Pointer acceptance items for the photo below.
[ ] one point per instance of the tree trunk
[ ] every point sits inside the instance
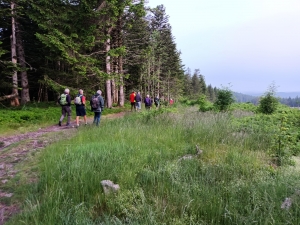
(114, 90)
(120, 63)
(14, 101)
(114, 65)
(21, 56)
(108, 81)
(46, 94)
(121, 88)
(168, 87)
(149, 77)
(158, 78)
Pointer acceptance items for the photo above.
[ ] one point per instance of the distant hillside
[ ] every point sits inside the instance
(239, 97)
(288, 98)
(278, 94)
(288, 94)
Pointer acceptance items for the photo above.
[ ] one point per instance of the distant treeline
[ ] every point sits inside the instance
(239, 97)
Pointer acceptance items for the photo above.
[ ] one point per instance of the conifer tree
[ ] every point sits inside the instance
(164, 64)
(210, 93)
(91, 44)
(196, 88)
(187, 83)
(203, 87)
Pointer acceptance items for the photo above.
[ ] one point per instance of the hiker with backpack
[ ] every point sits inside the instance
(148, 102)
(138, 102)
(65, 102)
(97, 106)
(156, 101)
(79, 102)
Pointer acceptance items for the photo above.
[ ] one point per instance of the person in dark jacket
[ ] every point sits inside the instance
(65, 102)
(156, 101)
(97, 105)
(148, 102)
(138, 101)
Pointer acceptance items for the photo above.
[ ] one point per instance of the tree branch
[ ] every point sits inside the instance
(8, 96)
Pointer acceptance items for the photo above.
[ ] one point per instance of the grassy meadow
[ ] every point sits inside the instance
(234, 181)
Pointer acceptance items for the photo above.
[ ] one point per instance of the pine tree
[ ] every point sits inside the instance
(165, 72)
(203, 87)
(210, 93)
(196, 88)
(187, 83)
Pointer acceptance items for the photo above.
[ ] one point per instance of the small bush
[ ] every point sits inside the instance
(204, 104)
(224, 99)
(268, 104)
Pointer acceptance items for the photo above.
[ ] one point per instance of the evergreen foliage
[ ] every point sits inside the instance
(65, 41)
(204, 104)
(268, 103)
(224, 99)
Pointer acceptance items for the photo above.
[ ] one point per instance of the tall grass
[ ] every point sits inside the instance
(231, 182)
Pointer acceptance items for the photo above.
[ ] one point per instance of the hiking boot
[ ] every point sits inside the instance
(59, 123)
(68, 125)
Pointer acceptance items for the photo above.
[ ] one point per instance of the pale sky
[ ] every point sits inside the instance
(243, 44)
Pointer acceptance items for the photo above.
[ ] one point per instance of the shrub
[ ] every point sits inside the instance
(268, 104)
(204, 104)
(224, 99)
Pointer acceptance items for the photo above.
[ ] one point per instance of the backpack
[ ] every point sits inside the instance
(77, 100)
(63, 99)
(95, 102)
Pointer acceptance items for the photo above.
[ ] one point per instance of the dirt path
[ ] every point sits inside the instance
(15, 148)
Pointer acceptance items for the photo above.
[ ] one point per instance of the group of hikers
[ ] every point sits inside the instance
(136, 101)
(97, 105)
(96, 102)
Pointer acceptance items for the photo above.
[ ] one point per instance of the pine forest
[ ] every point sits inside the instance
(116, 46)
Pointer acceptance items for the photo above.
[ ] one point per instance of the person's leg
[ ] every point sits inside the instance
(63, 114)
(77, 115)
(97, 118)
(84, 116)
(68, 109)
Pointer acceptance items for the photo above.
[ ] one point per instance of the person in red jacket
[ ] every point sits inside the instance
(132, 100)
